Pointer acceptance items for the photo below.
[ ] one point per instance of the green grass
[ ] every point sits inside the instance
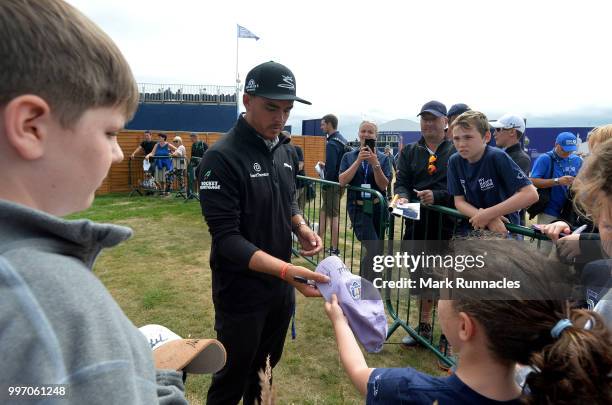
(162, 275)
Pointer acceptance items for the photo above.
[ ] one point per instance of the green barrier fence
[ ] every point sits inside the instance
(403, 308)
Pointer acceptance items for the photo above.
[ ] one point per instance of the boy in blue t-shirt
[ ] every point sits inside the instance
(487, 185)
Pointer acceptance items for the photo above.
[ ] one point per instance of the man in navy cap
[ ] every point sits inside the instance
(556, 169)
(421, 176)
(453, 112)
(247, 194)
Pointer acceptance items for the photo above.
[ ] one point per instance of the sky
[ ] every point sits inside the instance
(548, 61)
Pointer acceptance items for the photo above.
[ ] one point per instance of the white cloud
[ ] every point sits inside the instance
(379, 59)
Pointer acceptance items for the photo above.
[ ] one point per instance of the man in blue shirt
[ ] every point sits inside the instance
(488, 187)
(366, 168)
(565, 167)
(331, 195)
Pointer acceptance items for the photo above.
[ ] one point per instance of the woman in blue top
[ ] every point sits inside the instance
(528, 325)
(163, 162)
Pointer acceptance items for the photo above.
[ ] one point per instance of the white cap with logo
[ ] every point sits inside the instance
(508, 121)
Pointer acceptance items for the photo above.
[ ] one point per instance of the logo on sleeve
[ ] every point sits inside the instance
(206, 184)
(210, 185)
(287, 165)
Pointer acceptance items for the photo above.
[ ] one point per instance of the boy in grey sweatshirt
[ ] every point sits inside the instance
(66, 90)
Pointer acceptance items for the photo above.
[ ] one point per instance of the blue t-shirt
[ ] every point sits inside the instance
(365, 172)
(562, 167)
(161, 157)
(408, 386)
(491, 180)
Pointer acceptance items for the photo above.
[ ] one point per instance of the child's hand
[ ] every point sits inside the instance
(554, 229)
(481, 219)
(497, 225)
(333, 310)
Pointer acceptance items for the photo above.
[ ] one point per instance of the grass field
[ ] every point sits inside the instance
(162, 276)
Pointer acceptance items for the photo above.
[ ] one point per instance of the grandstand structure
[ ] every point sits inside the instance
(185, 93)
(185, 107)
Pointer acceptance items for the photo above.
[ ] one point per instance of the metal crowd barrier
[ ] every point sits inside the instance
(351, 249)
(400, 303)
(144, 182)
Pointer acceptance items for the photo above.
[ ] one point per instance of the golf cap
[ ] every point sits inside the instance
(433, 107)
(510, 121)
(457, 109)
(196, 356)
(272, 80)
(568, 141)
(360, 301)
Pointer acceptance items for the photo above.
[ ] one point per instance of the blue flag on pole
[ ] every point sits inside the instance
(244, 33)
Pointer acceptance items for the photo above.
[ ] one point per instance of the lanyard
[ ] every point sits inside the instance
(365, 166)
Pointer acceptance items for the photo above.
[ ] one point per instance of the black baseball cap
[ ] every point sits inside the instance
(272, 80)
(457, 109)
(433, 107)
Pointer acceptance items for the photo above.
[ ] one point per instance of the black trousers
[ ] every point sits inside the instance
(248, 339)
(428, 228)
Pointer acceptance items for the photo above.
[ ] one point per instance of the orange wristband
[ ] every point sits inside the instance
(283, 272)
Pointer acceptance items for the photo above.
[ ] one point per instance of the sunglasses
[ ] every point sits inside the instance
(431, 165)
(506, 129)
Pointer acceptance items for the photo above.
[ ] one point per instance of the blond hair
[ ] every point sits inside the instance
(50, 49)
(364, 122)
(599, 135)
(472, 119)
(593, 186)
(179, 139)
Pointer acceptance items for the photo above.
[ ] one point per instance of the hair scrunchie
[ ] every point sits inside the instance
(559, 327)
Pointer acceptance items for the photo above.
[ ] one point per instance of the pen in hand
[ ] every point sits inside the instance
(577, 231)
(303, 280)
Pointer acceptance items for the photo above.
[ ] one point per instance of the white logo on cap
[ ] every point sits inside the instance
(569, 142)
(355, 289)
(288, 83)
(251, 86)
(256, 167)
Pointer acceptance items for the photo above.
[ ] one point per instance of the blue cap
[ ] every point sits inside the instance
(434, 107)
(567, 141)
(457, 109)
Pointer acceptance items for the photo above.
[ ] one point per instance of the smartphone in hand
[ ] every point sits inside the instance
(371, 143)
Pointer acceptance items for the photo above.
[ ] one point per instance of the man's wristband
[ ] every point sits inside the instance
(296, 227)
(283, 272)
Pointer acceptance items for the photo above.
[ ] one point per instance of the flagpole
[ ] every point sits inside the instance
(237, 76)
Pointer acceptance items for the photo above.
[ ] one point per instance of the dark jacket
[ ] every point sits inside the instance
(520, 157)
(334, 150)
(247, 198)
(197, 151)
(412, 171)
